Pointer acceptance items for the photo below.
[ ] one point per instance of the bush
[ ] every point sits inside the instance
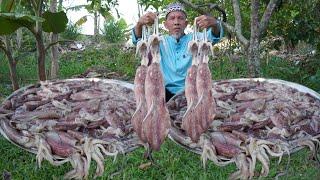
(72, 32)
(114, 31)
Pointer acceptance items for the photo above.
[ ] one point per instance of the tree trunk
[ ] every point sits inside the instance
(54, 49)
(254, 59)
(12, 64)
(139, 10)
(40, 45)
(253, 52)
(60, 5)
(96, 30)
(54, 57)
(41, 56)
(19, 38)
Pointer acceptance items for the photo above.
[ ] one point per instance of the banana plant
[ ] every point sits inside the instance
(103, 8)
(40, 21)
(97, 8)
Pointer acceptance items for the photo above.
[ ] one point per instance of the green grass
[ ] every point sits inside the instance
(173, 162)
(307, 74)
(112, 58)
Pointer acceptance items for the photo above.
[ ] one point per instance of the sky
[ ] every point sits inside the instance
(128, 9)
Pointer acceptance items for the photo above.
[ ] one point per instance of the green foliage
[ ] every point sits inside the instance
(54, 22)
(315, 80)
(157, 5)
(173, 162)
(10, 22)
(6, 5)
(294, 20)
(103, 7)
(297, 21)
(81, 21)
(71, 32)
(28, 41)
(112, 58)
(114, 31)
(305, 73)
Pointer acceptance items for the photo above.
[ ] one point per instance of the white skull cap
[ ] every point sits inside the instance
(175, 7)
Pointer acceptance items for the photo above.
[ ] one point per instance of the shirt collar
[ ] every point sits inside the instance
(181, 38)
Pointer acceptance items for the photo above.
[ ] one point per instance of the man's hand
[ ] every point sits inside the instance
(146, 19)
(205, 21)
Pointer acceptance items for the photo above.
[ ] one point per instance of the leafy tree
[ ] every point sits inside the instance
(114, 31)
(40, 21)
(101, 7)
(297, 21)
(97, 8)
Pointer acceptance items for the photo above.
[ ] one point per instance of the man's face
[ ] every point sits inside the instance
(176, 22)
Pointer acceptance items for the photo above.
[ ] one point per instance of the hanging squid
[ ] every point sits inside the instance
(206, 105)
(156, 124)
(139, 86)
(190, 121)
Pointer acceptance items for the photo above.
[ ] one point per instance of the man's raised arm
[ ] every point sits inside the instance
(146, 19)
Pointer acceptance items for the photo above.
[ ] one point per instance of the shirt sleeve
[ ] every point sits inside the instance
(213, 38)
(134, 38)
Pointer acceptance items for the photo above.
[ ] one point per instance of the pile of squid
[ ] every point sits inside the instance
(241, 122)
(151, 120)
(76, 121)
(255, 119)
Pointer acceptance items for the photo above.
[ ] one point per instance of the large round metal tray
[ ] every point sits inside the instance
(179, 137)
(107, 81)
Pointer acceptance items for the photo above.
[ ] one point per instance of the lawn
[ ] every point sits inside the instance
(173, 162)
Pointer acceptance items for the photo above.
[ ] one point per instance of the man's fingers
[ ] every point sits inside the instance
(151, 15)
(201, 17)
(202, 24)
(204, 21)
(201, 20)
(149, 21)
(149, 18)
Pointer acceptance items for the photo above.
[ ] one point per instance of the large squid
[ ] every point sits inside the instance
(206, 105)
(139, 86)
(156, 124)
(190, 121)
